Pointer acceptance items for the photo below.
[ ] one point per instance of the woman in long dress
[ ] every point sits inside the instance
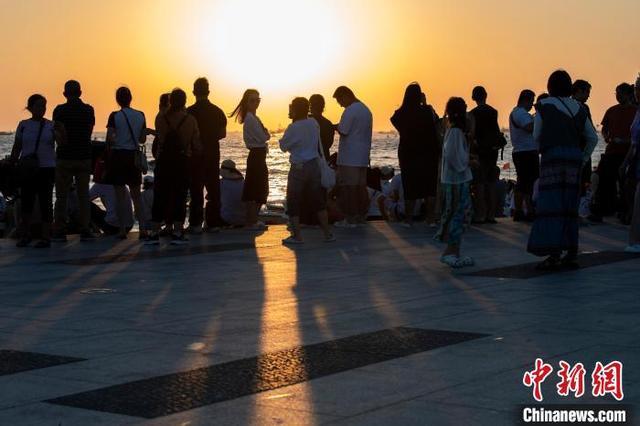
(559, 127)
(418, 150)
(255, 136)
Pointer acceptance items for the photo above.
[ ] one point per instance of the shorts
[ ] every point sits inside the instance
(121, 168)
(304, 183)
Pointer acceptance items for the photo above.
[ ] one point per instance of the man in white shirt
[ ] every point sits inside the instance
(525, 155)
(356, 132)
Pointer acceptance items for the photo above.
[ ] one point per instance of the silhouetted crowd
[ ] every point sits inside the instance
(449, 168)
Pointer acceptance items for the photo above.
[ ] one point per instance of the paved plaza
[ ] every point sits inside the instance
(236, 329)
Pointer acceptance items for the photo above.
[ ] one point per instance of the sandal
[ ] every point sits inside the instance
(292, 241)
(549, 264)
(467, 261)
(452, 260)
(330, 238)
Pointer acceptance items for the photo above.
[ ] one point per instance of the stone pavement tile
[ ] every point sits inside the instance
(139, 365)
(42, 414)
(22, 388)
(344, 394)
(114, 343)
(420, 413)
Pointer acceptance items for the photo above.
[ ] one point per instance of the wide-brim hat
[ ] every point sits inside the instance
(228, 170)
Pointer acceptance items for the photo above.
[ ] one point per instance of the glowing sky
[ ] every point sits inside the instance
(287, 48)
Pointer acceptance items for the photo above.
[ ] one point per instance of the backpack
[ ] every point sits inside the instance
(173, 146)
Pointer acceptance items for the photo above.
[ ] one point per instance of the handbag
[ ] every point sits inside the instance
(327, 174)
(140, 159)
(29, 164)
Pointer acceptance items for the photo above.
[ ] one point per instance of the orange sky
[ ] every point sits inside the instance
(287, 48)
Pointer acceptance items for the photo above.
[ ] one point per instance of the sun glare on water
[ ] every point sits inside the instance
(271, 44)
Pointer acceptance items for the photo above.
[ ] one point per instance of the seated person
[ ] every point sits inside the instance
(376, 190)
(107, 220)
(232, 209)
(394, 201)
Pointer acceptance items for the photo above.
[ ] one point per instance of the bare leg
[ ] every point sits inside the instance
(323, 218)
(295, 227)
(121, 208)
(452, 249)
(137, 208)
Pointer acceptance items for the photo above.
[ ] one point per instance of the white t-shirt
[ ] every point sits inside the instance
(107, 195)
(232, 209)
(301, 140)
(521, 139)
(253, 132)
(356, 132)
(118, 122)
(28, 130)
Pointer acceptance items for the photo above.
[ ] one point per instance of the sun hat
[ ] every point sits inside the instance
(228, 170)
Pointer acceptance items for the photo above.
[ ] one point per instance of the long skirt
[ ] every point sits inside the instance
(455, 209)
(256, 182)
(556, 226)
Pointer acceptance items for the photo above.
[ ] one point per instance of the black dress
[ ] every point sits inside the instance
(418, 151)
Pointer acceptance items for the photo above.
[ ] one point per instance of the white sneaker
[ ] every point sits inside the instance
(635, 248)
(345, 224)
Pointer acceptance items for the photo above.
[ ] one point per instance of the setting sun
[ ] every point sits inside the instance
(271, 44)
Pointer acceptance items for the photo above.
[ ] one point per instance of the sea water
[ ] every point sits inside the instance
(383, 152)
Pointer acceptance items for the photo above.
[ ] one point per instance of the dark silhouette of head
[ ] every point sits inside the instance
(37, 105)
(559, 84)
(479, 95)
(249, 103)
(201, 87)
(299, 109)
(164, 102)
(456, 111)
(581, 90)
(123, 97)
(72, 89)
(316, 104)
(541, 96)
(624, 93)
(526, 99)
(412, 97)
(344, 96)
(177, 100)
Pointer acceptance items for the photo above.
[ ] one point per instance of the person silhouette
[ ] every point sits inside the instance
(256, 137)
